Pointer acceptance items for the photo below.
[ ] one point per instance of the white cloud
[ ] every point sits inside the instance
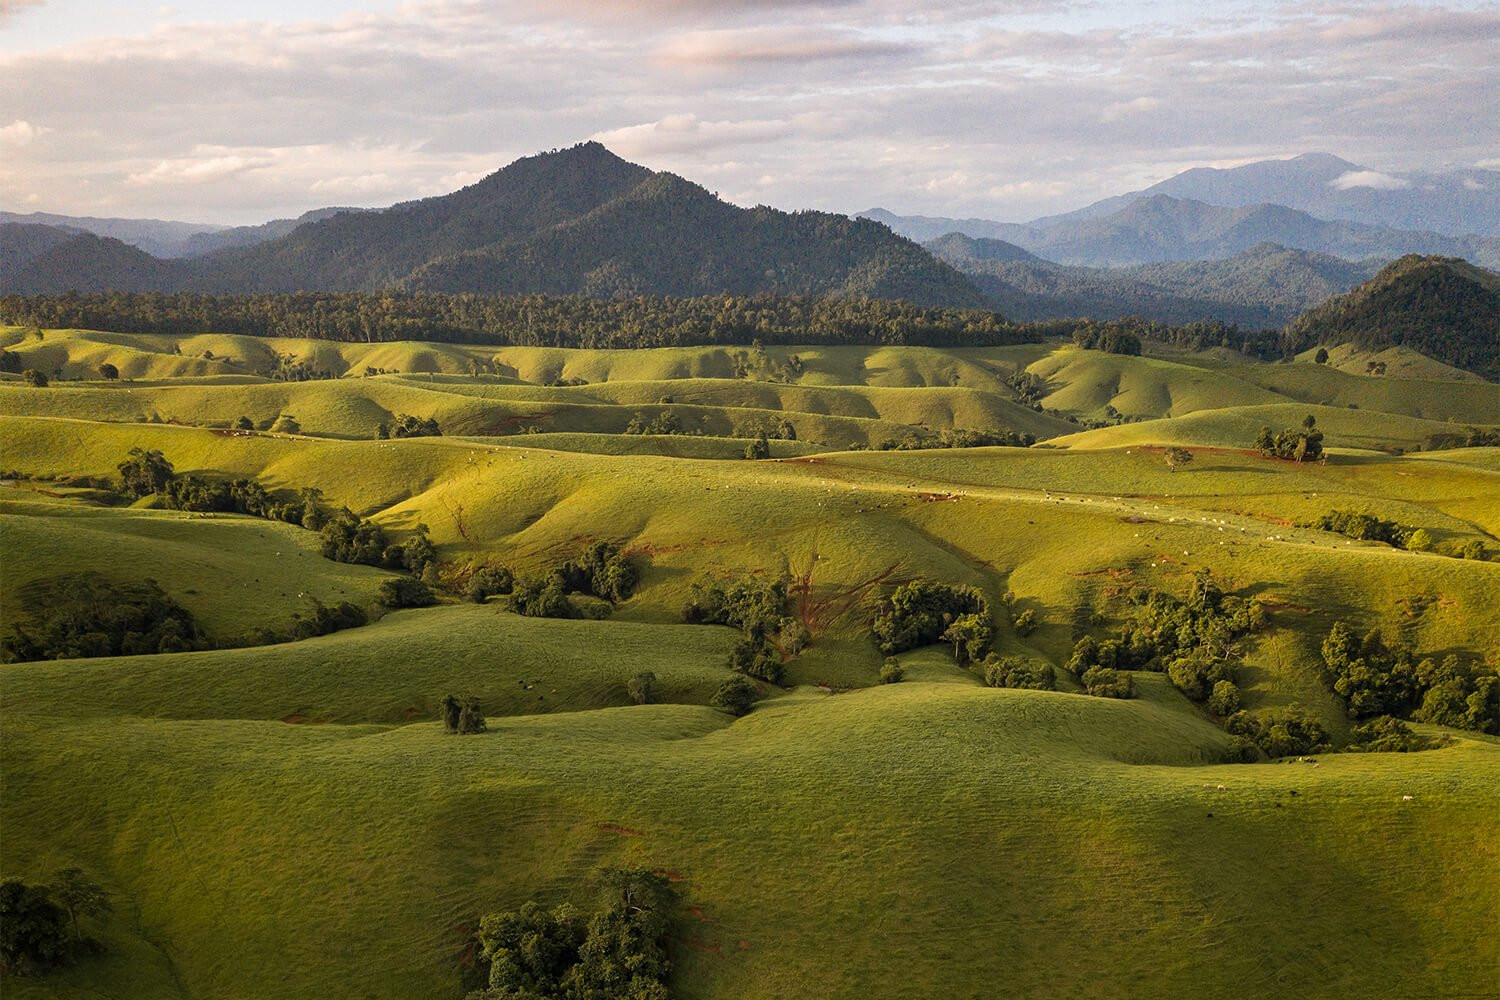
(196, 171)
(685, 133)
(1129, 109)
(20, 133)
(1369, 179)
(10, 8)
(1470, 184)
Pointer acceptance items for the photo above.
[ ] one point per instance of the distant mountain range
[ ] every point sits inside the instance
(1158, 228)
(1265, 286)
(575, 221)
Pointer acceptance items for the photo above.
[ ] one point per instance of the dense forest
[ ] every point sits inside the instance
(1445, 308)
(573, 321)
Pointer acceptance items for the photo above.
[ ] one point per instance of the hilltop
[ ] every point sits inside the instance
(574, 221)
(1445, 308)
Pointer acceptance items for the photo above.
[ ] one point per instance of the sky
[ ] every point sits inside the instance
(238, 113)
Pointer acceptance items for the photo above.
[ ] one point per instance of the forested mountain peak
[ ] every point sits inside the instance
(1443, 307)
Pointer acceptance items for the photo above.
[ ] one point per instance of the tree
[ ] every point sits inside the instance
(79, 895)
(1309, 422)
(736, 696)
(641, 686)
(244, 424)
(461, 714)
(286, 424)
(1026, 623)
(1177, 458)
(1225, 699)
(1019, 672)
(34, 378)
(108, 371)
(1321, 357)
(488, 581)
(758, 449)
(144, 473)
(971, 636)
(406, 592)
(32, 938)
(891, 671)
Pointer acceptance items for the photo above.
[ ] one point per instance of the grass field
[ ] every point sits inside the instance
(290, 820)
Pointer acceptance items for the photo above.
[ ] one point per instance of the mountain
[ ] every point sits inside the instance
(203, 243)
(924, 228)
(1162, 228)
(1454, 203)
(84, 262)
(155, 236)
(1265, 286)
(21, 243)
(668, 236)
(1445, 308)
(573, 221)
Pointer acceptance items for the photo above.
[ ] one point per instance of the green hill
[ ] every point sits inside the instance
(1443, 307)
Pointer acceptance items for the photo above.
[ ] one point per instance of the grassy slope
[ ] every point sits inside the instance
(931, 838)
(235, 574)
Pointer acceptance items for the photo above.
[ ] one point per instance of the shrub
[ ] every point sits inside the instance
(1290, 733)
(1225, 699)
(1419, 541)
(1106, 682)
(461, 715)
(489, 581)
(34, 378)
(1241, 750)
(108, 371)
(758, 449)
(737, 696)
(244, 424)
(641, 687)
(541, 597)
(891, 671)
(1386, 734)
(1019, 672)
(1026, 623)
(406, 592)
(286, 424)
(1177, 458)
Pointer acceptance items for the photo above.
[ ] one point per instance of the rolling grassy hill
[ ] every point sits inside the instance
(291, 821)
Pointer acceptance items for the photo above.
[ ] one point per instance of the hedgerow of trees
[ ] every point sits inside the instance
(88, 614)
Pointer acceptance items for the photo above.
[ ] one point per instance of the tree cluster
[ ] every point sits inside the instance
(461, 714)
(525, 320)
(1291, 732)
(1295, 444)
(618, 952)
(601, 570)
(1112, 338)
(34, 921)
(761, 611)
(88, 614)
(403, 425)
(957, 438)
(1374, 679)
(922, 612)
(1019, 672)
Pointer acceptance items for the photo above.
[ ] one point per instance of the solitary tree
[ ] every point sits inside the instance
(79, 895)
(108, 371)
(760, 448)
(1322, 356)
(1177, 458)
(641, 686)
(34, 378)
(736, 695)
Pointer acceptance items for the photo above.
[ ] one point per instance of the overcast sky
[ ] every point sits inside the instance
(241, 112)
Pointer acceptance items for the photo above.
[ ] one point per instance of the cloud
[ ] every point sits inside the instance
(20, 133)
(1129, 109)
(731, 48)
(684, 133)
(197, 171)
(1368, 179)
(1470, 184)
(10, 8)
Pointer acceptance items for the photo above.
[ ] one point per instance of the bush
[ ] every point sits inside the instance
(489, 581)
(737, 696)
(1224, 701)
(1290, 733)
(1026, 623)
(406, 592)
(891, 671)
(758, 449)
(461, 715)
(541, 597)
(1241, 750)
(286, 424)
(1019, 672)
(641, 687)
(108, 371)
(1386, 734)
(1106, 682)
(34, 378)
